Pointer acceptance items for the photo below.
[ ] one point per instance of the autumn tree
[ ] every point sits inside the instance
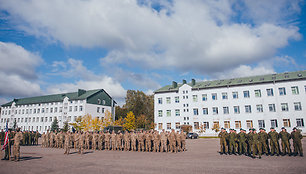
(77, 124)
(107, 121)
(129, 121)
(65, 127)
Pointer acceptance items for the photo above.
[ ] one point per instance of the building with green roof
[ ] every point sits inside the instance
(273, 100)
(37, 113)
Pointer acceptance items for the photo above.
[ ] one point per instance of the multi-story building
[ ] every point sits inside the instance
(38, 113)
(276, 100)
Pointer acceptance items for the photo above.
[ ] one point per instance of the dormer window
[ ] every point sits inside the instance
(99, 101)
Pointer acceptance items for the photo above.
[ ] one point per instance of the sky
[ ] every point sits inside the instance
(58, 46)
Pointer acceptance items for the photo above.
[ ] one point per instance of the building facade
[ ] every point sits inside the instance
(38, 113)
(276, 100)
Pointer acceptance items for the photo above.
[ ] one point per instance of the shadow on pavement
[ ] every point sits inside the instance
(26, 158)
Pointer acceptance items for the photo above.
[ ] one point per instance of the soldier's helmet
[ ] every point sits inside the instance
(272, 128)
(283, 128)
(294, 128)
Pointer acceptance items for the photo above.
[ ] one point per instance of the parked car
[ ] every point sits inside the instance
(192, 135)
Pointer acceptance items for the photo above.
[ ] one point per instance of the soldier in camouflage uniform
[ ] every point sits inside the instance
(163, 139)
(231, 141)
(256, 146)
(126, 140)
(140, 138)
(113, 140)
(273, 136)
(223, 144)
(119, 140)
(285, 137)
(149, 138)
(242, 142)
(100, 140)
(133, 140)
(16, 147)
(107, 141)
(156, 141)
(183, 139)
(249, 136)
(67, 142)
(172, 141)
(297, 143)
(263, 137)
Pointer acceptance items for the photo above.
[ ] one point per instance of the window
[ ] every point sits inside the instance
(98, 109)
(236, 110)
(177, 125)
(81, 109)
(204, 97)
(50, 119)
(257, 93)
(237, 124)
(261, 123)
(168, 100)
(51, 109)
(42, 119)
(30, 119)
(284, 106)
(160, 126)
(272, 107)
(246, 94)
(259, 108)
(270, 92)
(38, 111)
(216, 124)
(227, 124)
(160, 101)
(55, 109)
(196, 125)
(168, 125)
(282, 91)
(177, 112)
(206, 125)
(70, 108)
(177, 99)
(224, 96)
(99, 101)
(215, 110)
(274, 123)
(286, 123)
(168, 113)
(225, 110)
(195, 111)
(205, 111)
(43, 110)
(214, 96)
(235, 95)
(195, 98)
(46, 119)
(295, 90)
(37, 119)
(249, 124)
(160, 113)
(248, 109)
(299, 122)
(75, 108)
(103, 102)
(297, 106)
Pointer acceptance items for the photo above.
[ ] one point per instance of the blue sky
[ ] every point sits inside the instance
(59, 46)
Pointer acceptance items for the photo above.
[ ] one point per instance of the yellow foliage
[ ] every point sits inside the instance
(119, 122)
(130, 121)
(108, 120)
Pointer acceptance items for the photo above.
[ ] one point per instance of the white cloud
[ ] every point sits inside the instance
(112, 87)
(89, 80)
(17, 71)
(190, 35)
(243, 71)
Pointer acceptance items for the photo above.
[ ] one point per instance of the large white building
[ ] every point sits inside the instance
(38, 113)
(276, 100)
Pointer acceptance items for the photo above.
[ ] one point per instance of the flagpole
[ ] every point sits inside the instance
(9, 149)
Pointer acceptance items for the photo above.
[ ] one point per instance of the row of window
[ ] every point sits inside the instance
(235, 95)
(32, 128)
(236, 109)
(227, 125)
(43, 110)
(46, 104)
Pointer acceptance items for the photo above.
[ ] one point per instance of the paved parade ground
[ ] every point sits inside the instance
(201, 157)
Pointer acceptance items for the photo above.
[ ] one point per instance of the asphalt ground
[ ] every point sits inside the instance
(201, 157)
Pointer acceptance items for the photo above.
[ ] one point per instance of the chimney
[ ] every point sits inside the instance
(184, 82)
(174, 84)
(193, 82)
(81, 92)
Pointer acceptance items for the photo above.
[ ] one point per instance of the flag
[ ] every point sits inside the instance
(6, 139)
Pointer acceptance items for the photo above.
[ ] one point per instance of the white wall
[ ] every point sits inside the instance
(230, 102)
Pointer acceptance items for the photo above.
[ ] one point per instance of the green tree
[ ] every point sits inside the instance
(54, 125)
(120, 112)
(129, 121)
(66, 126)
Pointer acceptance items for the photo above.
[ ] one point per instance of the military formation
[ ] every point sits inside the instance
(141, 141)
(15, 139)
(255, 144)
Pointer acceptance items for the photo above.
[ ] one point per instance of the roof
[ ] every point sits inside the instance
(270, 78)
(80, 95)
